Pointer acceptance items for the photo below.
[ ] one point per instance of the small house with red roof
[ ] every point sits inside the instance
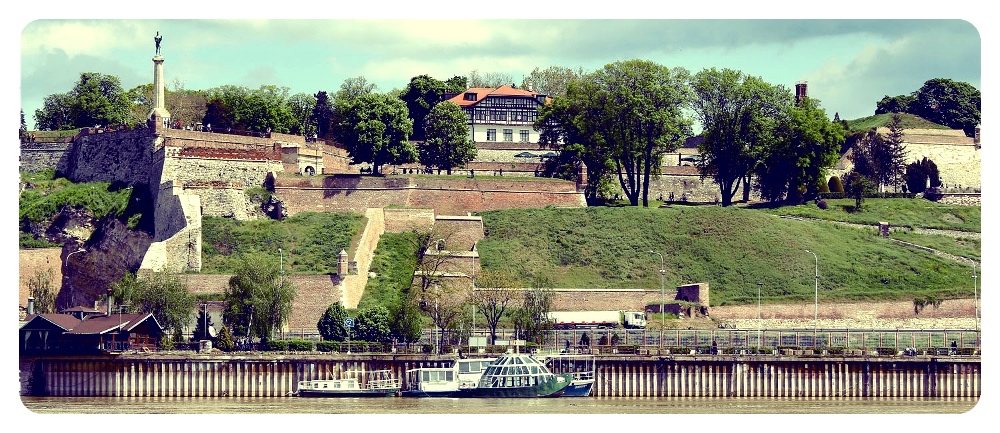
(95, 333)
(504, 114)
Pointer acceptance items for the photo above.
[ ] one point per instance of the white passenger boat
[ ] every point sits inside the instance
(519, 375)
(461, 376)
(377, 383)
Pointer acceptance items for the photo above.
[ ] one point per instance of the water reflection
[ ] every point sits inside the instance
(592, 405)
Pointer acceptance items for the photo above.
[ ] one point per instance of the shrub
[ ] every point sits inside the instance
(277, 345)
(834, 185)
(225, 340)
(300, 345)
(822, 204)
(328, 346)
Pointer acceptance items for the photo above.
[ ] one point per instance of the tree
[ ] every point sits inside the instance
(97, 99)
(373, 324)
(300, 107)
(447, 133)
(375, 129)
(40, 287)
(202, 323)
(162, 294)
(879, 159)
(954, 104)
(225, 340)
(406, 326)
(632, 111)
(186, 106)
(22, 131)
(488, 79)
(552, 81)
(896, 104)
(495, 292)
(444, 299)
(922, 174)
(857, 187)
(331, 324)
(322, 115)
(561, 125)
(804, 145)
(354, 88)
(421, 95)
(258, 298)
(531, 319)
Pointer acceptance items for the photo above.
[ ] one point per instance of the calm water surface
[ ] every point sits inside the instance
(589, 405)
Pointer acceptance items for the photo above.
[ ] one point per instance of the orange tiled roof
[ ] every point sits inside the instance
(483, 92)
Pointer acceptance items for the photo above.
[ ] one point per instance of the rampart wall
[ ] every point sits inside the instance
(447, 196)
(607, 299)
(36, 157)
(401, 220)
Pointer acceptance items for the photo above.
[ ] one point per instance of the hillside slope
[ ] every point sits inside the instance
(732, 249)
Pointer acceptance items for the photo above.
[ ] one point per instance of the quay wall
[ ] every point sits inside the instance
(211, 375)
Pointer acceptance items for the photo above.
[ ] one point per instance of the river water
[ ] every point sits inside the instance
(586, 405)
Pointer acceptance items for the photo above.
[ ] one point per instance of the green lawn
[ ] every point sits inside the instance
(897, 212)
(732, 249)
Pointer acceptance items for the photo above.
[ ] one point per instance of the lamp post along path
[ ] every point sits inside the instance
(663, 322)
(816, 309)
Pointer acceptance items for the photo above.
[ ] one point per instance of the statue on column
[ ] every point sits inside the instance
(157, 39)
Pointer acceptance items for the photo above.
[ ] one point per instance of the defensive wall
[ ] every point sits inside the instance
(447, 196)
(42, 261)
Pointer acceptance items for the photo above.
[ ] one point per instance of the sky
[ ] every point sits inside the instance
(849, 65)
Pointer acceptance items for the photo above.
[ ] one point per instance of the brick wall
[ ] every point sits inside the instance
(606, 299)
(36, 157)
(401, 220)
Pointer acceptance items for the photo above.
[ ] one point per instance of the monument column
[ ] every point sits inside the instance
(159, 117)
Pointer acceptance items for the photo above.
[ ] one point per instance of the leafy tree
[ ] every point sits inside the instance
(22, 132)
(443, 299)
(258, 299)
(495, 292)
(456, 84)
(202, 323)
(354, 88)
(879, 159)
(225, 340)
(561, 125)
(631, 112)
(141, 103)
(739, 115)
(186, 106)
(488, 79)
(406, 326)
(951, 103)
(921, 174)
(373, 324)
(55, 113)
(322, 115)
(531, 318)
(447, 142)
(552, 81)
(41, 288)
(162, 294)
(331, 324)
(421, 95)
(895, 104)
(857, 187)
(300, 107)
(805, 144)
(98, 99)
(375, 129)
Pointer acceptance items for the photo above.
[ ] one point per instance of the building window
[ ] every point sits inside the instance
(524, 135)
(508, 135)
(491, 134)
(470, 96)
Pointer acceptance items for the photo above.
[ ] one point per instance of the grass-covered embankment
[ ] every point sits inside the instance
(732, 249)
(310, 241)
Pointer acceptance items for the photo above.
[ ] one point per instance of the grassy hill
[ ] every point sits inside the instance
(732, 249)
(908, 121)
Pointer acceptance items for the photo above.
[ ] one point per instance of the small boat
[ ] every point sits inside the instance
(451, 381)
(517, 375)
(581, 366)
(377, 383)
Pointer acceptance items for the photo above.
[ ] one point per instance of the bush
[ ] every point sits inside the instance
(822, 204)
(328, 346)
(835, 185)
(277, 345)
(300, 345)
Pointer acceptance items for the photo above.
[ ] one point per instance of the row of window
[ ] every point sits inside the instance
(508, 135)
(503, 116)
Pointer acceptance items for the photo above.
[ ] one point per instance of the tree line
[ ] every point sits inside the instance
(617, 121)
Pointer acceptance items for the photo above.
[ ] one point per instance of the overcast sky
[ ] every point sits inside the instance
(848, 64)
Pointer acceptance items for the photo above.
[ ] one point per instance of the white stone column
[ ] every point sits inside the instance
(159, 113)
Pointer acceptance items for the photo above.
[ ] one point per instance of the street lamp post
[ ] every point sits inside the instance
(975, 295)
(759, 327)
(663, 323)
(816, 310)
